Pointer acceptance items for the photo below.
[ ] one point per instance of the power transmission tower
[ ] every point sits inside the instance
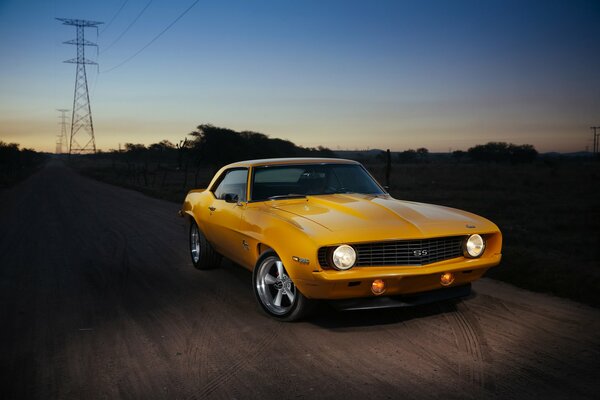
(596, 139)
(61, 140)
(58, 145)
(81, 120)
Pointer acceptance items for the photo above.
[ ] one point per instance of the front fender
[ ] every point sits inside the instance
(293, 243)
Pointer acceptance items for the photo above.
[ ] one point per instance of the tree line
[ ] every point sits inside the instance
(206, 148)
(215, 146)
(498, 152)
(209, 145)
(501, 152)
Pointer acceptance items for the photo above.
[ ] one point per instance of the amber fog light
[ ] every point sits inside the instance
(447, 278)
(378, 287)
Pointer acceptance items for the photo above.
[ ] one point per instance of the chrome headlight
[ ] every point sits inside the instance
(474, 246)
(343, 257)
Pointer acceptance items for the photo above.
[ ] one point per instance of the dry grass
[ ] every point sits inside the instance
(549, 213)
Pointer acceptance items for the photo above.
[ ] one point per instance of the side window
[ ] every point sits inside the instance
(233, 182)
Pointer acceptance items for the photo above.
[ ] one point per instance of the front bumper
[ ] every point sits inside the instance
(356, 283)
(432, 296)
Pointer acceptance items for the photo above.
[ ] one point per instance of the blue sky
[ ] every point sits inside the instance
(343, 74)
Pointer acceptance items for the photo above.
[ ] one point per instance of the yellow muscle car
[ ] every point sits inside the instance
(323, 229)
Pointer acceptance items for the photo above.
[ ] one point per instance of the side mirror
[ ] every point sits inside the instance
(230, 197)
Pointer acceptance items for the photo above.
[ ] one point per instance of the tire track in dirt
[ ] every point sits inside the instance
(224, 376)
(204, 343)
(411, 320)
(200, 340)
(530, 373)
(469, 340)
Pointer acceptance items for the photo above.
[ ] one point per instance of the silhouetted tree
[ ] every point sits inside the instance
(407, 156)
(135, 151)
(217, 146)
(525, 153)
(410, 155)
(492, 151)
(502, 152)
(459, 155)
(422, 154)
(9, 154)
(14, 163)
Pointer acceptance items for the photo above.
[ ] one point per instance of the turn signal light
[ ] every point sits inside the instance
(378, 287)
(447, 278)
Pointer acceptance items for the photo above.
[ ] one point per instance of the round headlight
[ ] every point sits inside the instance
(343, 257)
(474, 246)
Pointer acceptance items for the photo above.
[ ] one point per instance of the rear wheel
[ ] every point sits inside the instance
(203, 255)
(276, 292)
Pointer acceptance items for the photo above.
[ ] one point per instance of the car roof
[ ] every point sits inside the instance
(290, 161)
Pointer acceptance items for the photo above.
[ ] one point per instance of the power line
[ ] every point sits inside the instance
(129, 27)
(115, 16)
(154, 39)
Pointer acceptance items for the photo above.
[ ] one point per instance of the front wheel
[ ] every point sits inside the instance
(276, 292)
(203, 255)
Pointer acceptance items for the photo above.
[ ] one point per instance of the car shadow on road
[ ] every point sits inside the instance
(328, 317)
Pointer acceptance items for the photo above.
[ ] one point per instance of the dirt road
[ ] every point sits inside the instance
(99, 299)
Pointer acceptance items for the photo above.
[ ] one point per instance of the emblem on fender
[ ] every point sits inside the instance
(301, 260)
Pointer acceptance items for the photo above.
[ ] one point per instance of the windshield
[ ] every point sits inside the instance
(287, 181)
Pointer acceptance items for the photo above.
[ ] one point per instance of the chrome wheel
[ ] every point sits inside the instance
(274, 287)
(195, 243)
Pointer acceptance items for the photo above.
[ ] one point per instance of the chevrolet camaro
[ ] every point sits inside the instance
(314, 229)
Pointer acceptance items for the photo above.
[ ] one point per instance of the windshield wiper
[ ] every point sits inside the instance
(286, 196)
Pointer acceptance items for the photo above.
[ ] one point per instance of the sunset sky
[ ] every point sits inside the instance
(342, 74)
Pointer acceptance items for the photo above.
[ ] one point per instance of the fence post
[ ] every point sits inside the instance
(388, 167)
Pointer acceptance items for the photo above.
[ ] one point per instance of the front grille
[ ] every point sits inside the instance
(402, 252)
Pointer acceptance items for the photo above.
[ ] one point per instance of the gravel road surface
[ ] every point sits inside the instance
(98, 299)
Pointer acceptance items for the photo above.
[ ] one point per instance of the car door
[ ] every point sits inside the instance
(225, 213)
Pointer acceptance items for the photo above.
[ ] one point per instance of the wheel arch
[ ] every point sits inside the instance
(262, 248)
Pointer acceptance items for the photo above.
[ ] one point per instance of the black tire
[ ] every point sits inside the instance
(202, 253)
(274, 292)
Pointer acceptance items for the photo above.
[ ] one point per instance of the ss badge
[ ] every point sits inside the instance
(419, 253)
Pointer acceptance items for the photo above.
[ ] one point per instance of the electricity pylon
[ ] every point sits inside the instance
(61, 140)
(596, 139)
(58, 145)
(81, 120)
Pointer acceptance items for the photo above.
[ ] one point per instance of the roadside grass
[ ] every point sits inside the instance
(548, 212)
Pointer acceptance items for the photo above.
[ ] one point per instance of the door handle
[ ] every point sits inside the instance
(211, 208)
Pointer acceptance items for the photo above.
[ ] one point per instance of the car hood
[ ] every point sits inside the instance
(381, 217)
